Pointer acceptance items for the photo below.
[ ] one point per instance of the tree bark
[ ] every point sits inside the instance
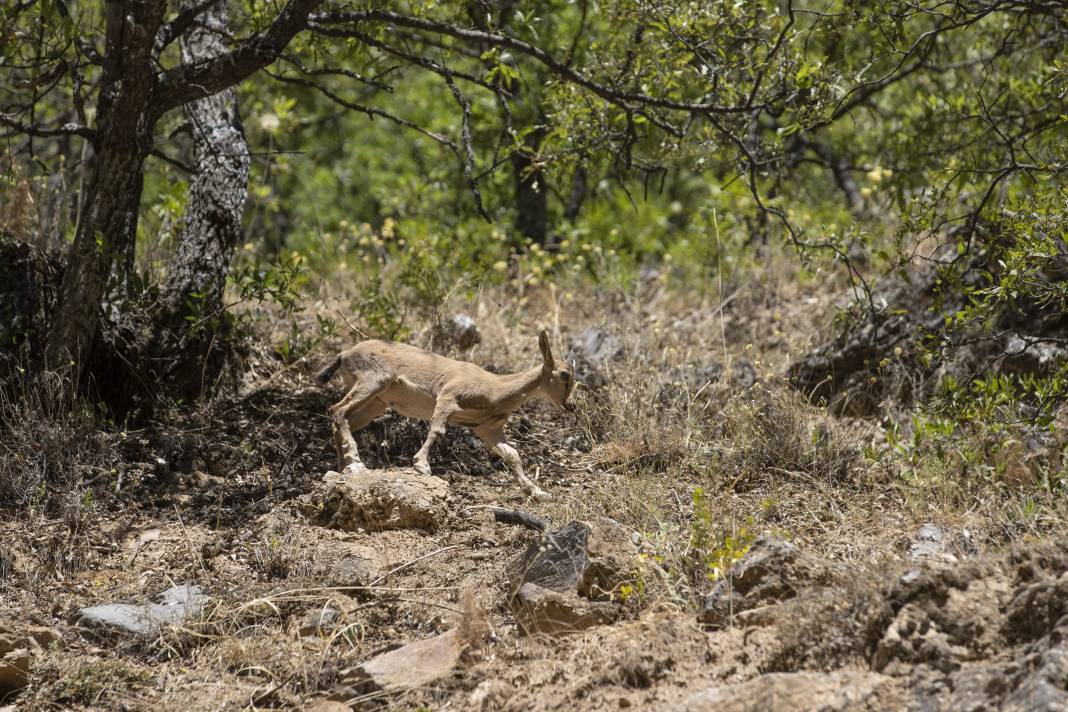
(577, 196)
(109, 218)
(531, 194)
(217, 194)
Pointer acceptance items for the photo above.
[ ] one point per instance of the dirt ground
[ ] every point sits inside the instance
(212, 496)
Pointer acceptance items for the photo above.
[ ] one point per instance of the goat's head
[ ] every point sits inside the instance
(556, 382)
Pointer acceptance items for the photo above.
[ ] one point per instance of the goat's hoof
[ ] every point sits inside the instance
(422, 468)
(539, 493)
(354, 468)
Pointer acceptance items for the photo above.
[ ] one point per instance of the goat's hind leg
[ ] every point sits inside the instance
(358, 408)
(496, 441)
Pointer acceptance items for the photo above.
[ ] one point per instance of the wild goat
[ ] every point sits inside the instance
(419, 384)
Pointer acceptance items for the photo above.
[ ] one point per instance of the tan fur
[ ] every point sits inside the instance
(422, 385)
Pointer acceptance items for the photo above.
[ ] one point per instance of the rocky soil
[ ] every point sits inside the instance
(229, 567)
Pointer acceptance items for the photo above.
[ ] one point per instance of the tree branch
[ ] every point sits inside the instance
(190, 82)
(71, 129)
(615, 96)
(177, 27)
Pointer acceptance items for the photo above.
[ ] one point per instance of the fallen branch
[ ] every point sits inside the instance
(520, 518)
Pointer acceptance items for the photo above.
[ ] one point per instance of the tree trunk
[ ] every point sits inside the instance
(577, 196)
(531, 194)
(217, 194)
(109, 217)
(190, 343)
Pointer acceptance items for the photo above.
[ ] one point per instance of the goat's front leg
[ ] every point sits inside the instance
(496, 441)
(443, 410)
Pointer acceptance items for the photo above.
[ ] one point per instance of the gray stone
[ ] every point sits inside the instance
(590, 558)
(175, 606)
(375, 500)
(347, 564)
(459, 331)
(930, 544)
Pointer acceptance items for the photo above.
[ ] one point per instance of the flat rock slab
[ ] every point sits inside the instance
(540, 610)
(797, 692)
(374, 500)
(414, 665)
(173, 607)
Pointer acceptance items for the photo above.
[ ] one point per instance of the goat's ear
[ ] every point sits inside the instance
(546, 353)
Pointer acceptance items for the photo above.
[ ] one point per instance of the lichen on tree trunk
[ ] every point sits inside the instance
(217, 193)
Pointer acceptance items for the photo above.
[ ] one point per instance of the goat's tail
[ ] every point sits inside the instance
(327, 373)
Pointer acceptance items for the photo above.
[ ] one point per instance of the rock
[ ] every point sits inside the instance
(540, 610)
(929, 541)
(490, 695)
(352, 565)
(21, 646)
(590, 353)
(458, 331)
(930, 547)
(591, 559)
(797, 691)
(610, 559)
(556, 560)
(567, 578)
(864, 362)
(414, 665)
(15, 667)
(175, 606)
(1036, 608)
(380, 499)
(771, 571)
(319, 620)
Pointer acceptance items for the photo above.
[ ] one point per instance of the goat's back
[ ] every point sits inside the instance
(412, 363)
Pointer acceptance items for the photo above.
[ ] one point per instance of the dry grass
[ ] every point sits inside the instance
(53, 449)
(690, 401)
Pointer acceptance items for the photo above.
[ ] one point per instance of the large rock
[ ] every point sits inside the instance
(800, 691)
(414, 665)
(569, 578)
(772, 571)
(172, 607)
(374, 500)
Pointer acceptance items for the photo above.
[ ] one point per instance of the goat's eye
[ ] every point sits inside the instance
(565, 375)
